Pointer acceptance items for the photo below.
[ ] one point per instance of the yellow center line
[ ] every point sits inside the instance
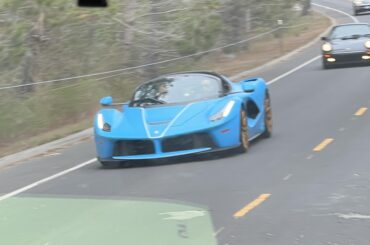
(242, 212)
(323, 144)
(361, 111)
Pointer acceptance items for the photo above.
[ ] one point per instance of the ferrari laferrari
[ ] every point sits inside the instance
(183, 114)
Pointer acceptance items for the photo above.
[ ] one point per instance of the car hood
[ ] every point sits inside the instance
(163, 121)
(349, 45)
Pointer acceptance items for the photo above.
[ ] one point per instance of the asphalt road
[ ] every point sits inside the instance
(315, 169)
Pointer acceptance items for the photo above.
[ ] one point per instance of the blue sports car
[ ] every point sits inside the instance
(183, 114)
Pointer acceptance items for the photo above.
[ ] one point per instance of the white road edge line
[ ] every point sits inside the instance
(218, 231)
(337, 10)
(293, 70)
(37, 183)
(42, 181)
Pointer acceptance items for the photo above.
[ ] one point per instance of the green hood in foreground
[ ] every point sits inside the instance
(49, 221)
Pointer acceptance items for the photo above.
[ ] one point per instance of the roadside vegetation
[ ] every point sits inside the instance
(49, 40)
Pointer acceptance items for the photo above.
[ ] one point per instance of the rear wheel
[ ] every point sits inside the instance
(355, 12)
(244, 137)
(268, 116)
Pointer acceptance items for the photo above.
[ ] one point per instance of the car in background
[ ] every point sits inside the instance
(360, 6)
(347, 44)
(183, 114)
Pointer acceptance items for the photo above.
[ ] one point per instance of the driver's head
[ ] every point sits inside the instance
(208, 86)
(162, 88)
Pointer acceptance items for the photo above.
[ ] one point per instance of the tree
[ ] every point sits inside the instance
(306, 7)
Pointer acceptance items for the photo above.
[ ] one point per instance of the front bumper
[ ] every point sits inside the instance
(167, 155)
(346, 58)
(221, 137)
(362, 8)
(157, 156)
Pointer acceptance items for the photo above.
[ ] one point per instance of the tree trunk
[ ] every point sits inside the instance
(128, 35)
(153, 40)
(306, 7)
(27, 74)
(235, 19)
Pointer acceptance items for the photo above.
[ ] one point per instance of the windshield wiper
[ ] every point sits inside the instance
(148, 100)
(351, 37)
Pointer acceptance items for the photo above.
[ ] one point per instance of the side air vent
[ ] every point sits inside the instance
(252, 109)
(250, 80)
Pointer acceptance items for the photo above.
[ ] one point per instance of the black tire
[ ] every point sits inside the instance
(114, 164)
(355, 13)
(325, 65)
(268, 116)
(244, 136)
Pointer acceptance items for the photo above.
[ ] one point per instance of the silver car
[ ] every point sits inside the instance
(360, 6)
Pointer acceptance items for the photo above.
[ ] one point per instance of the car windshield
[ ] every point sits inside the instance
(350, 31)
(177, 89)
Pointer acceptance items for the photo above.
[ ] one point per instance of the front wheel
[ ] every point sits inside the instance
(114, 164)
(325, 65)
(244, 137)
(268, 116)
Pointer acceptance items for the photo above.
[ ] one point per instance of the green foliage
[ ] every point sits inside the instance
(200, 34)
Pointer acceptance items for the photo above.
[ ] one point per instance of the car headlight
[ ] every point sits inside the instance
(101, 124)
(100, 121)
(224, 112)
(367, 44)
(327, 47)
(358, 2)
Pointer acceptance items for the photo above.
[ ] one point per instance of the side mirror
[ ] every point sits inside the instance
(93, 3)
(248, 88)
(324, 39)
(106, 101)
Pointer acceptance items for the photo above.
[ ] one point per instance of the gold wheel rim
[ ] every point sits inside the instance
(268, 115)
(244, 130)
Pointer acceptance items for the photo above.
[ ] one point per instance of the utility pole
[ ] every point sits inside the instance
(281, 36)
(248, 26)
(248, 21)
